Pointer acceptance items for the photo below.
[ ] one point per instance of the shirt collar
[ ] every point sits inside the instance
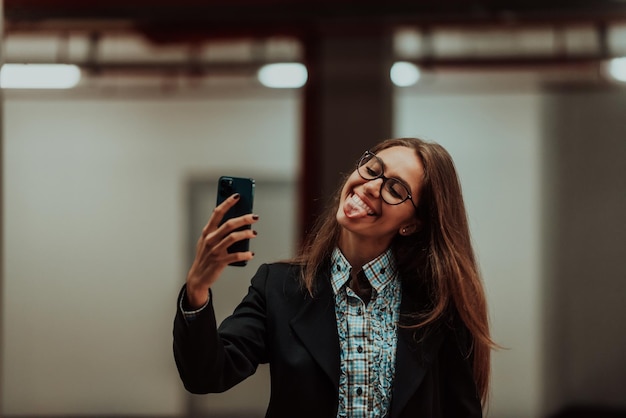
(380, 271)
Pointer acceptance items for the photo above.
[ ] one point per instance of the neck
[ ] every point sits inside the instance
(360, 250)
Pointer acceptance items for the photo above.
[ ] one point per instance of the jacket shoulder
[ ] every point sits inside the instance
(278, 270)
(279, 275)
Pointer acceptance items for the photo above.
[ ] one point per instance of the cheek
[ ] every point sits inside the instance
(351, 182)
(400, 215)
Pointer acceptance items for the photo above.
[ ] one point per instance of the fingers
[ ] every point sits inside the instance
(212, 257)
(235, 224)
(212, 254)
(217, 242)
(236, 257)
(218, 213)
(236, 236)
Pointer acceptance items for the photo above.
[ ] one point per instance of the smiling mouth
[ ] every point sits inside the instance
(358, 204)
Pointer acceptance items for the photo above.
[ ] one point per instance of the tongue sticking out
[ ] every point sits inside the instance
(353, 210)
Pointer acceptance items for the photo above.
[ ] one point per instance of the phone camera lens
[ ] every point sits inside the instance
(226, 187)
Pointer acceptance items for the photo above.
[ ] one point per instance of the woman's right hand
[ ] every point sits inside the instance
(211, 250)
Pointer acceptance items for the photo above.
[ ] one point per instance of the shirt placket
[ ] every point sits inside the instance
(359, 357)
(366, 364)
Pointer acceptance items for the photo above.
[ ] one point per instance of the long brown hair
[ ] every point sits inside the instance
(440, 253)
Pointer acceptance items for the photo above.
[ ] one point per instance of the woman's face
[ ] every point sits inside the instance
(363, 212)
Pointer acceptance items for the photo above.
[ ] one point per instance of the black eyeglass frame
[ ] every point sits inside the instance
(368, 154)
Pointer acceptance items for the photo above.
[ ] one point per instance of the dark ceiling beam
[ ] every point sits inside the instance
(232, 17)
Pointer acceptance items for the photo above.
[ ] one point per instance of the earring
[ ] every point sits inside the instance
(404, 231)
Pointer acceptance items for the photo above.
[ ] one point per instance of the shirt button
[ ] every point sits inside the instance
(359, 312)
(338, 267)
(359, 349)
(382, 270)
(359, 391)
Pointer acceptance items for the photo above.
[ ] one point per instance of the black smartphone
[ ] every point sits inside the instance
(226, 187)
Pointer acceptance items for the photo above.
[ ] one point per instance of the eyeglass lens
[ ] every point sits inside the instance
(392, 191)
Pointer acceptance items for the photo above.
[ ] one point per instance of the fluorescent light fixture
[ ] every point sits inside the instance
(39, 76)
(404, 74)
(283, 75)
(617, 69)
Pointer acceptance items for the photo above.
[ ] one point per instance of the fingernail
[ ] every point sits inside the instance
(236, 196)
(254, 232)
(255, 217)
(252, 254)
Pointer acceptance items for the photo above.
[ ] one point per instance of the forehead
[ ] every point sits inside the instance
(403, 163)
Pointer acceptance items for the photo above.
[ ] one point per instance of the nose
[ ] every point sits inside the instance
(372, 187)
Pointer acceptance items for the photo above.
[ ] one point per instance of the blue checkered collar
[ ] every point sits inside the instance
(380, 271)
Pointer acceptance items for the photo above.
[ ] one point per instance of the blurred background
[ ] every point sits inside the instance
(109, 173)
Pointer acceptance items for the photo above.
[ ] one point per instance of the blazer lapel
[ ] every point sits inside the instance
(316, 326)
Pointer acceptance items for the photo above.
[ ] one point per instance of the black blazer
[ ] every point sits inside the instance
(278, 322)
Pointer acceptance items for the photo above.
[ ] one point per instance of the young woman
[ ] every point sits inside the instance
(382, 314)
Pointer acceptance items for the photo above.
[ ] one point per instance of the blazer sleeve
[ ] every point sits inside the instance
(211, 359)
(459, 392)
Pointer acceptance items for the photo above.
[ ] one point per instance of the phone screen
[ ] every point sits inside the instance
(226, 187)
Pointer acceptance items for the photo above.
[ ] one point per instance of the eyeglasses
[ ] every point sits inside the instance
(392, 190)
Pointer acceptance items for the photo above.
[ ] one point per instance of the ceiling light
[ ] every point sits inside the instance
(283, 75)
(617, 69)
(404, 74)
(39, 76)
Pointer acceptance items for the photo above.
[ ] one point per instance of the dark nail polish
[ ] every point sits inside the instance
(255, 217)
(252, 254)
(236, 196)
(254, 232)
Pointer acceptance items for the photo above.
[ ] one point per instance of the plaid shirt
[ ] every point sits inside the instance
(367, 336)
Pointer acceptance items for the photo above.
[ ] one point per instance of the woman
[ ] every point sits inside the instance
(382, 313)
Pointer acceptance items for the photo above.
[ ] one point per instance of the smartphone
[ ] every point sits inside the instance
(226, 187)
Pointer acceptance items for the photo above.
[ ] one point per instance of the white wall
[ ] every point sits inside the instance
(95, 237)
(586, 238)
(494, 140)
